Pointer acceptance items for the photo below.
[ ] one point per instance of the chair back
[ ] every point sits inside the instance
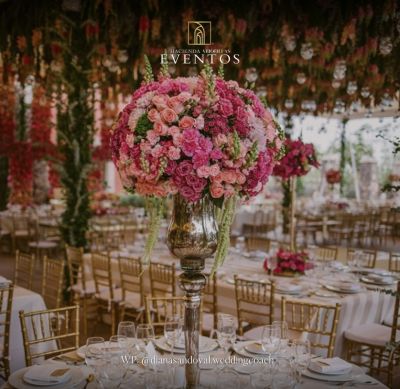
(75, 265)
(57, 328)
(327, 253)
(396, 317)
(369, 256)
(162, 279)
(131, 272)
(6, 296)
(394, 262)
(53, 282)
(158, 308)
(254, 302)
(209, 296)
(255, 242)
(102, 275)
(320, 320)
(23, 273)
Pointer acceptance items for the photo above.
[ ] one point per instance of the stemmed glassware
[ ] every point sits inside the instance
(301, 357)
(271, 339)
(127, 329)
(226, 332)
(172, 333)
(95, 354)
(144, 335)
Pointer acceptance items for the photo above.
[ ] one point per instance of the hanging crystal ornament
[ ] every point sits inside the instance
(351, 87)
(306, 51)
(301, 78)
(122, 56)
(340, 106)
(290, 42)
(261, 92)
(251, 75)
(385, 45)
(289, 104)
(339, 72)
(365, 92)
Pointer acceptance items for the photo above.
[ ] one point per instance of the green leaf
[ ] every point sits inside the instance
(143, 125)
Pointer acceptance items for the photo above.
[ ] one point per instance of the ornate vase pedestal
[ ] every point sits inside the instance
(192, 237)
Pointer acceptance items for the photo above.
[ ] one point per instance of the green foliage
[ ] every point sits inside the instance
(252, 155)
(221, 71)
(143, 125)
(148, 71)
(133, 200)
(236, 145)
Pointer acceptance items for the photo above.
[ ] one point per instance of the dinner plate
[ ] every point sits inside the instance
(322, 293)
(255, 348)
(376, 281)
(347, 370)
(335, 288)
(333, 378)
(205, 345)
(82, 350)
(77, 380)
(240, 349)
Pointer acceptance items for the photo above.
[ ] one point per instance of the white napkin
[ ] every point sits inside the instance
(329, 365)
(48, 373)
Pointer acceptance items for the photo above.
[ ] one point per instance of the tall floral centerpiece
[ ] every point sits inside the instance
(298, 159)
(207, 142)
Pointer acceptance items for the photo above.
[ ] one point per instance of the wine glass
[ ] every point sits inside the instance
(144, 335)
(127, 329)
(172, 332)
(272, 264)
(226, 332)
(302, 357)
(95, 354)
(270, 339)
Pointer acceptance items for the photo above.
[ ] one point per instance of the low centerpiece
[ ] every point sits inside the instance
(289, 263)
(207, 142)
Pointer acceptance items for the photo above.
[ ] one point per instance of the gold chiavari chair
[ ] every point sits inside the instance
(20, 232)
(23, 273)
(162, 279)
(210, 304)
(39, 242)
(344, 232)
(108, 297)
(257, 243)
(53, 282)
(369, 257)
(317, 320)
(57, 328)
(326, 253)
(158, 308)
(367, 344)
(254, 302)
(394, 262)
(6, 295)
(82, 290)
(132, 301)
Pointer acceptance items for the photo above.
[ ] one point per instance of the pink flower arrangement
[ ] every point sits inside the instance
(289, 261)
(195, 136)
(333, 176)
(297, 161)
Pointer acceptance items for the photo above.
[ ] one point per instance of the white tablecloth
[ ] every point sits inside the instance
(360, 308)
(27, 301)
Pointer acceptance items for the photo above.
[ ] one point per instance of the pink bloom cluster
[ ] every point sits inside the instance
(297, 161)
(288, 261)
(175, 136)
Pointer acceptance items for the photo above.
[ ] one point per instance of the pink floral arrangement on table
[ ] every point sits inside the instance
(297, 161)
(196, 136)
(333, 176)
(290, 262)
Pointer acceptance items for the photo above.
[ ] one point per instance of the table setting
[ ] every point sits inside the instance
(136, 358)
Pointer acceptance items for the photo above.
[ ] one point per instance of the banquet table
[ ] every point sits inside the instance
(367, 306)
(26, 300)
(239, 377)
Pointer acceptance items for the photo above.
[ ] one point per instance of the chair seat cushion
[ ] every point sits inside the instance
(372, 333)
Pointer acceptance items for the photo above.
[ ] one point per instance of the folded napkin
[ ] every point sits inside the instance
(48, 373)
(329, 365)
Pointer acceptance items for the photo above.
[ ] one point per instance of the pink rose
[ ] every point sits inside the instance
(189, 194)
(174, 130)
(228, 176)
(169, 115)
(184, 168)
(186, 122)
(184, 96)
(216, 191)
(217, 179)
(203, 171)
(153, 115)
(153, 137)
(160, 128)
(240, 178)
(214, 170)
(220, 140)
(160, 102)
(176, 105)
(174, 153)
(200, 158)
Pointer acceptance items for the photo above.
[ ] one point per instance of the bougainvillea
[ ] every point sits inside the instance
(333, 176)
(288, 261)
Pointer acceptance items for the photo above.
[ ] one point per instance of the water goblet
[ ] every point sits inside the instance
(270, 339)
(128, 329)
(226, 332)
(95, 354)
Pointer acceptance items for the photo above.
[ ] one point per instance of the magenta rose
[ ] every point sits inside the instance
(184, 168)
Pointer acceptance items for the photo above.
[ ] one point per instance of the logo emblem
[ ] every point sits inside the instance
(199, 33)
